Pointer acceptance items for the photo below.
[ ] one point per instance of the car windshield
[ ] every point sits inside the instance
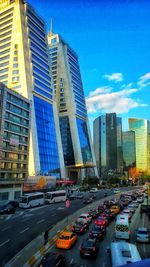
(142, 232)
(65, 237)
(24, 199)
(89, 243)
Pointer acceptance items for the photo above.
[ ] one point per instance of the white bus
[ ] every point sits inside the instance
(122, 227)
(32, 200)
(55, 196)
(123, 252)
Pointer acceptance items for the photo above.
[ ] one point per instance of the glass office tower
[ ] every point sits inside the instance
(70, 99)
(141, 127)
(128, 144)
(105, 143)
(25, 68)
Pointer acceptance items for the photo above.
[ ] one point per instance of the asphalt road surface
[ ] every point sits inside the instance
(17, 230)
(103, 259)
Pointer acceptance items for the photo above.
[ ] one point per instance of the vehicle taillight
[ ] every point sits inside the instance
(81, 229)
(94, 249)
(72, 228)
(81, 248)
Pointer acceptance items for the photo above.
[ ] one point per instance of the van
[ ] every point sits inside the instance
(122, 227)
(123, 253)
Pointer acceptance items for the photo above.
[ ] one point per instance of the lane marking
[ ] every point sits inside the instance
(24, 230)
(41, 221)
(8, 217)
(53, 214)
(2, 244)
(6, 228)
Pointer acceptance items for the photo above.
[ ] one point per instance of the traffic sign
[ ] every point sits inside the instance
(67, 203)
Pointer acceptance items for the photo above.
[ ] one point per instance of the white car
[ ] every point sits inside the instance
(142, 235)
(116, 191)
(86, 217)
(139, 199)
(136, 204)
(132, 207)
(93, 190)
(127, 212)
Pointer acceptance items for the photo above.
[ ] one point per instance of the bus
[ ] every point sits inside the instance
(32, 200)
(123, 252)
(122, 227)
(55, 196)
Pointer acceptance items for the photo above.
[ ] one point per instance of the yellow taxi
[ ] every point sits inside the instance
(66, 240)
(115, 209)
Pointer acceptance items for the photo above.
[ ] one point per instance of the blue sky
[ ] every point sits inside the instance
(112, 40)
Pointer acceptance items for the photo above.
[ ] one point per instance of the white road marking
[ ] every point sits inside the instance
(53, 214)
(41, 221)
(103, 265)
(71, 261)
(2, 244)
(24, 230)
(6, 228)
(60, 208)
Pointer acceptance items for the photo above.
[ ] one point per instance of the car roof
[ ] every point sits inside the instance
(142, 229)
(66, 233)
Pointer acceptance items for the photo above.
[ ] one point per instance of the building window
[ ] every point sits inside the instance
(4, 196)
(53, 40)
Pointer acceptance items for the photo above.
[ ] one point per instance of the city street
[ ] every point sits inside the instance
(17, 230)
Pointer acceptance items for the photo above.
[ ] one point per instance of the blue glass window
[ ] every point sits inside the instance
(41, 61)
(46, 131)
(42, 85)
(42, 92)
(84, 141)
(66, 141)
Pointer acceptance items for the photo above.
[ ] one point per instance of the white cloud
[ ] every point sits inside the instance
(144, 80)
(119, 102)
(116, 77)
(101, 90)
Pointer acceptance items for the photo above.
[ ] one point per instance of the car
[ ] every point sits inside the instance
(7, 209)
(80, 226)
(94, 213)
(113, 201)
(53, 259)
(142, 235)
(89, 248)
(87, 200)
(110, 215)
(98, 232)
(66, 240)
(135, 203)
(86, 216)
(79, 196)
(93, 190)
(71, 196)
(128, 212)
(14, 203)
(116, 191)
(115, 209)
(93, 196)
(139, 199)
(100, 221)
(131, 207)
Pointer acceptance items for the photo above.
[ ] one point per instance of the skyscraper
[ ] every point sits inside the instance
(128, 144)
(70, 99)
(105, 143)
(119, 145)
(141, 127)
(25, 68)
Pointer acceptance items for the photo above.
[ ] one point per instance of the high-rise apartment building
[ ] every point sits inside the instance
(105, 143)
(128, 144)
(141, 127)
(25, 68)
(70, 99)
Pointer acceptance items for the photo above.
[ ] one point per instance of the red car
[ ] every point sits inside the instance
(101, 221)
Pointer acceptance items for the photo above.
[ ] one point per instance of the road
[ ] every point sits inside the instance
(103, 259)
(17, 230)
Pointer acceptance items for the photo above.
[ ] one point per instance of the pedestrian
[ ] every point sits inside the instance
(45, 237)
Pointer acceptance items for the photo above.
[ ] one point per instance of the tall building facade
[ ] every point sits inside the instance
(141, 127)
(105, 143)
(129, 149)
(25, 68)
(70, 99)
(14, 142)
(119, 145)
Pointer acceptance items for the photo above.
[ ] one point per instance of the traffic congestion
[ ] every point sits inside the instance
(109, 225)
